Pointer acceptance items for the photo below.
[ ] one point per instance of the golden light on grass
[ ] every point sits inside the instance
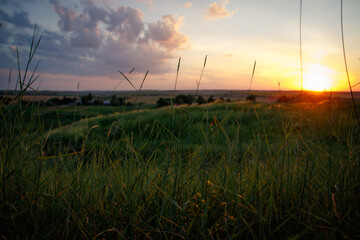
(318, 78)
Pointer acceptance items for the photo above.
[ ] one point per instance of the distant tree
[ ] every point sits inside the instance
(113, 100)
(162, 102)
(90, 97)
(211, 99)
(200, 100)
(54, 101)
(190, 99)
(121, 101)
(84, 100)
(117, 101)
(184, 99)
(251, 98)
(67, 100)
(282, 99)
(228, 100)
(222, 99)
(98, 102)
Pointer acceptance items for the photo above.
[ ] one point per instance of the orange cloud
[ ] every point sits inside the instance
(218, 11)
(188, 4)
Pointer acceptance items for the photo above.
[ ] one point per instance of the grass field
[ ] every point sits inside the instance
(215, 171)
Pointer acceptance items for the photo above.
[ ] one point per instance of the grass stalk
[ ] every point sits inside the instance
(176, 79)
(198, 82)
(300, 40)
(138, 93)
(127, 79)
(252, 77)
(346, 66)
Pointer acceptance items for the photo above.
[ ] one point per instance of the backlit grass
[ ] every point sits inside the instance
(215, 171)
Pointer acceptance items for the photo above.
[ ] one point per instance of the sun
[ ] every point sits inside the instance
(317, 78)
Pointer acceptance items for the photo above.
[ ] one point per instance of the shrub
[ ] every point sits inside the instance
(184, 99)
(211, 99)
(162, 102)
(54, 101)
(251, 98)
(117, 101)
(283, 99)
(200, 100)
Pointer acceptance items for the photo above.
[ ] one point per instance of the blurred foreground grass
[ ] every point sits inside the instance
(223, 170)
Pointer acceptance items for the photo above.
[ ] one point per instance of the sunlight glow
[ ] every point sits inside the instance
(317, 78)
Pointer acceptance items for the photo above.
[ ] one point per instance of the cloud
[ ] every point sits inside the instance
(18, 18)
(125, 22)
(97, 41)
(83, 28)
(188, 4)
(166, 33)
(218, 11)
(18, 3)
(67, 16)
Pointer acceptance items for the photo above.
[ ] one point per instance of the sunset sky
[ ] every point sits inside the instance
(90, 41)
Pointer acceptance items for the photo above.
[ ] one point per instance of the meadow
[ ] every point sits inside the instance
(214, 171)
(222, 170)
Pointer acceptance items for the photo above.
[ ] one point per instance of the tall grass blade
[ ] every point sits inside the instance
(76, 98)
(142, 83)
(346, 67)
(252, 76)
(300, 36)
(127, 79)
(202, 72)
(355, 85)
(176, 79)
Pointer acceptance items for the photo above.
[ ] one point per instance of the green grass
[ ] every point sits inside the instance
(218, 171)
(250, 171)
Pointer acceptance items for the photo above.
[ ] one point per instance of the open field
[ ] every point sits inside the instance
(151, 96)
(179, 164)
(215, 171)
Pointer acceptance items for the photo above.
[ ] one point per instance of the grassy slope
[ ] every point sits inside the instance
(216, 171)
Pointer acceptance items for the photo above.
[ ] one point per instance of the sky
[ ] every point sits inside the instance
(85, 44)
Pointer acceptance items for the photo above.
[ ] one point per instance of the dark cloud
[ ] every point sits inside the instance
(18, 18)
(18, 3)
(83, 28)
(126, 22)
(99, 41)
(66, 15)
(4, 34)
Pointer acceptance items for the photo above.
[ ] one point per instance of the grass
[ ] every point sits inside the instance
(219, 171)
(223, 171)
